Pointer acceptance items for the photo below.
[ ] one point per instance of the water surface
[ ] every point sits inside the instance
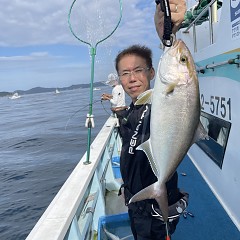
(42, 140)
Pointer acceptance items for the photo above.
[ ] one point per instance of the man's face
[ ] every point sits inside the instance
(134, 75)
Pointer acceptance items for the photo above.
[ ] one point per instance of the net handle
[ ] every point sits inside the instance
(89, 120)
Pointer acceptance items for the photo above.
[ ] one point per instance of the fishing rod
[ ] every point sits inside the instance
(167, 39)
(90, 117)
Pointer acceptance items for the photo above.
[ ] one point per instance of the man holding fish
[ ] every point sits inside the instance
(149, 176)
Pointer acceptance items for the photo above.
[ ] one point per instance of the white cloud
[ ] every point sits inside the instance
(29, 22)
(39, 22)
(34, 56)
(37, 39)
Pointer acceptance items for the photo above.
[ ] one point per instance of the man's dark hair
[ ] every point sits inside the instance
(138, 50)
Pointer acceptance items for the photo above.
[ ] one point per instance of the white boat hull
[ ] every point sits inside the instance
(219, 92)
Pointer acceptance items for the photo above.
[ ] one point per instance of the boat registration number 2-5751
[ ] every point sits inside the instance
(216, 105)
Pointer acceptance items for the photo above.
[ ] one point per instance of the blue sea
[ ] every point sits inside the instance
(43, 137)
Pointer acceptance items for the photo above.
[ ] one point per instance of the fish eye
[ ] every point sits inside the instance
(183, 59)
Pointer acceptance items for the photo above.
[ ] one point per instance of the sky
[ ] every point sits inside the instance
(37, 48)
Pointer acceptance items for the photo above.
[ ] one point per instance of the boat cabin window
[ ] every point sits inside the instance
(218, 132)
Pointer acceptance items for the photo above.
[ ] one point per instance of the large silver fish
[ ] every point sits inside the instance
(175, 120)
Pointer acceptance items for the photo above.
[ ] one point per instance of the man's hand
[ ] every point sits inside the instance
(106, 96)
(177, 8)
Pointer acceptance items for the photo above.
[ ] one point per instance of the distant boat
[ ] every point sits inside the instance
(96, 88)
(57, 91)
(15, 96)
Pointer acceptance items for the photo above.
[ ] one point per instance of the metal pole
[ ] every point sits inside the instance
(210, 24)
(90, 116)
(194, 37)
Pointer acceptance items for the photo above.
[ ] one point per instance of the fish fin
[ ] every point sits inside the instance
(144, 98)
(146, 193)
(147, 149)
(155, 191)
(200, 133)
(170, 87)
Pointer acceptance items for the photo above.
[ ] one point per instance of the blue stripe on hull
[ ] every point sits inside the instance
(231, 71)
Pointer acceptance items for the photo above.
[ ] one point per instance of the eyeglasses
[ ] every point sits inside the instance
(138, 72)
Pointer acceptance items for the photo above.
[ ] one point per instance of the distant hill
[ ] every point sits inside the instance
(2, 94)
(42, 89)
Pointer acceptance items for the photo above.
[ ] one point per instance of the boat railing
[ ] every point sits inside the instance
(231, 61)
(75, 210)
(211, 8)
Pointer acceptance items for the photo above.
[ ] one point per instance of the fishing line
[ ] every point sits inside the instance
(105, 108)
(77, 112)
(87, 105)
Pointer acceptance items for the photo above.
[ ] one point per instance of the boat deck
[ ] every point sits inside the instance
(210, 221)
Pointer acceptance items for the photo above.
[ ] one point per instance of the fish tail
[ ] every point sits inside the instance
(157, 191)
(146, 193)
(162, 201)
